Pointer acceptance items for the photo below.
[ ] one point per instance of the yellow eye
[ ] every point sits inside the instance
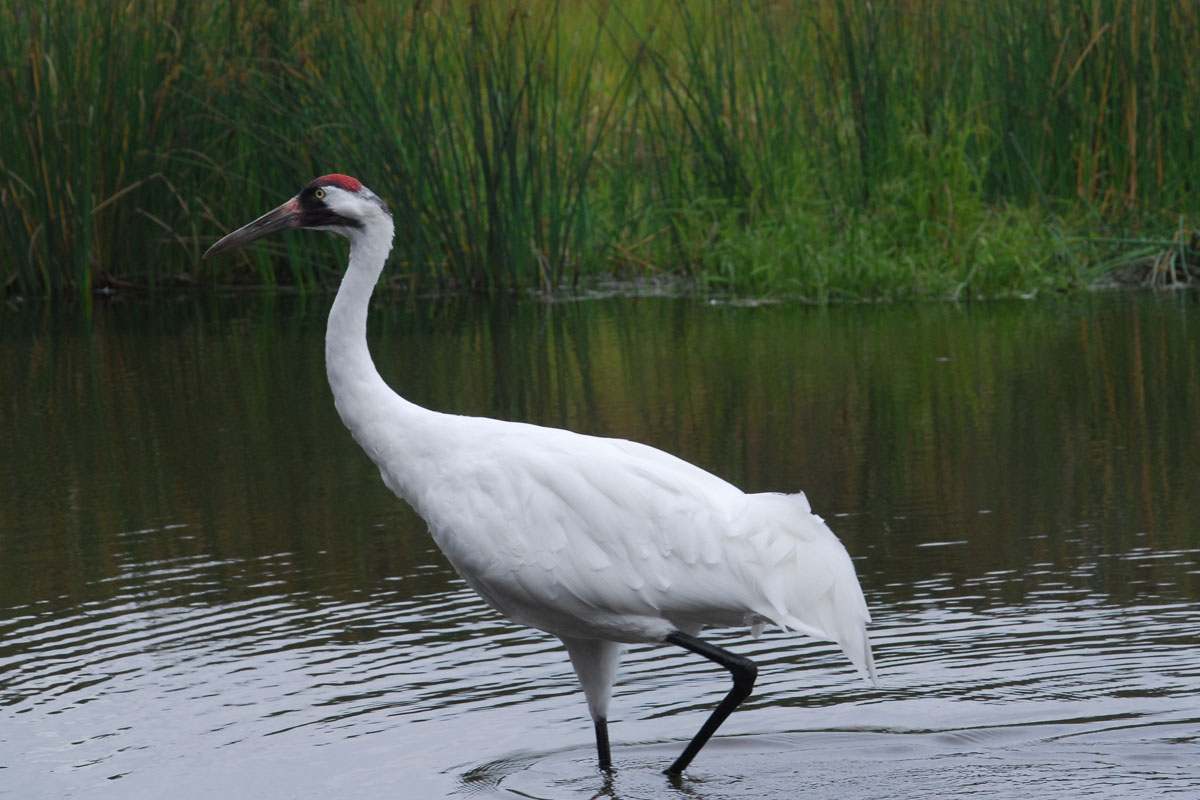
(319, 194)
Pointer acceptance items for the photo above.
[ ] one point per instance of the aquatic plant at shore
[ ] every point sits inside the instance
(829, 149)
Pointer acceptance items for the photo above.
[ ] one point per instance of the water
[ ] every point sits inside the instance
(205, 591)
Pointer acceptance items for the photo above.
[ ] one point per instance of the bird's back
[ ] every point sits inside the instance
(601, 538)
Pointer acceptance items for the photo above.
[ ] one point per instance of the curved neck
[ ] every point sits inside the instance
(359, 393)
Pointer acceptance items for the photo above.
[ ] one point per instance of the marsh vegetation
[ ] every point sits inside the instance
(833, 149)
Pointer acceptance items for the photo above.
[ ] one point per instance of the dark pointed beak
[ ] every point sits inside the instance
(284, 218)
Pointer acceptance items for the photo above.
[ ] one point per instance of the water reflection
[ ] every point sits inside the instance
(205, 591)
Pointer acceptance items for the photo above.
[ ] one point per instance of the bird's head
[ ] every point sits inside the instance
(335, 203)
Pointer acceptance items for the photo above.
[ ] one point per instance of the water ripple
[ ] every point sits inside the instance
(1064, 677)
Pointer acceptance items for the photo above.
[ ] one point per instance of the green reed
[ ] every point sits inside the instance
(829, 149)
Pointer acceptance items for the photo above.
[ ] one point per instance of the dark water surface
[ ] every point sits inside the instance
(206, 592)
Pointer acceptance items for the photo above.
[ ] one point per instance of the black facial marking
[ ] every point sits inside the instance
(315, 214)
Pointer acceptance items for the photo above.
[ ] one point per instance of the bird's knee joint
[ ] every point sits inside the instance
(744, 675)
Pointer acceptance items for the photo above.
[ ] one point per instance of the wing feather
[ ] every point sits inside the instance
(571, 533)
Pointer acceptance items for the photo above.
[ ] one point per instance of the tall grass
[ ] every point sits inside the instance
(837, 148)
(91, 108)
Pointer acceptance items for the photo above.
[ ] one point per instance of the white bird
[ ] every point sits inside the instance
(600, 542)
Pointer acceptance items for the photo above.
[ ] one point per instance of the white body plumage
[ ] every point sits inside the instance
(609, 539)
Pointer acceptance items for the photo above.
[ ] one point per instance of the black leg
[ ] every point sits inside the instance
(744, 672)
(602, 742)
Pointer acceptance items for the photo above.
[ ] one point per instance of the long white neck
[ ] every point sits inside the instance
(360, 394)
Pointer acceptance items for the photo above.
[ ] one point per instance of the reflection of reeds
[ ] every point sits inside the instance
(1068, 421)
(835, 148)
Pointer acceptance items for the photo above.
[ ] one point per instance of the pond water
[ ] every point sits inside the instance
(206, 591)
